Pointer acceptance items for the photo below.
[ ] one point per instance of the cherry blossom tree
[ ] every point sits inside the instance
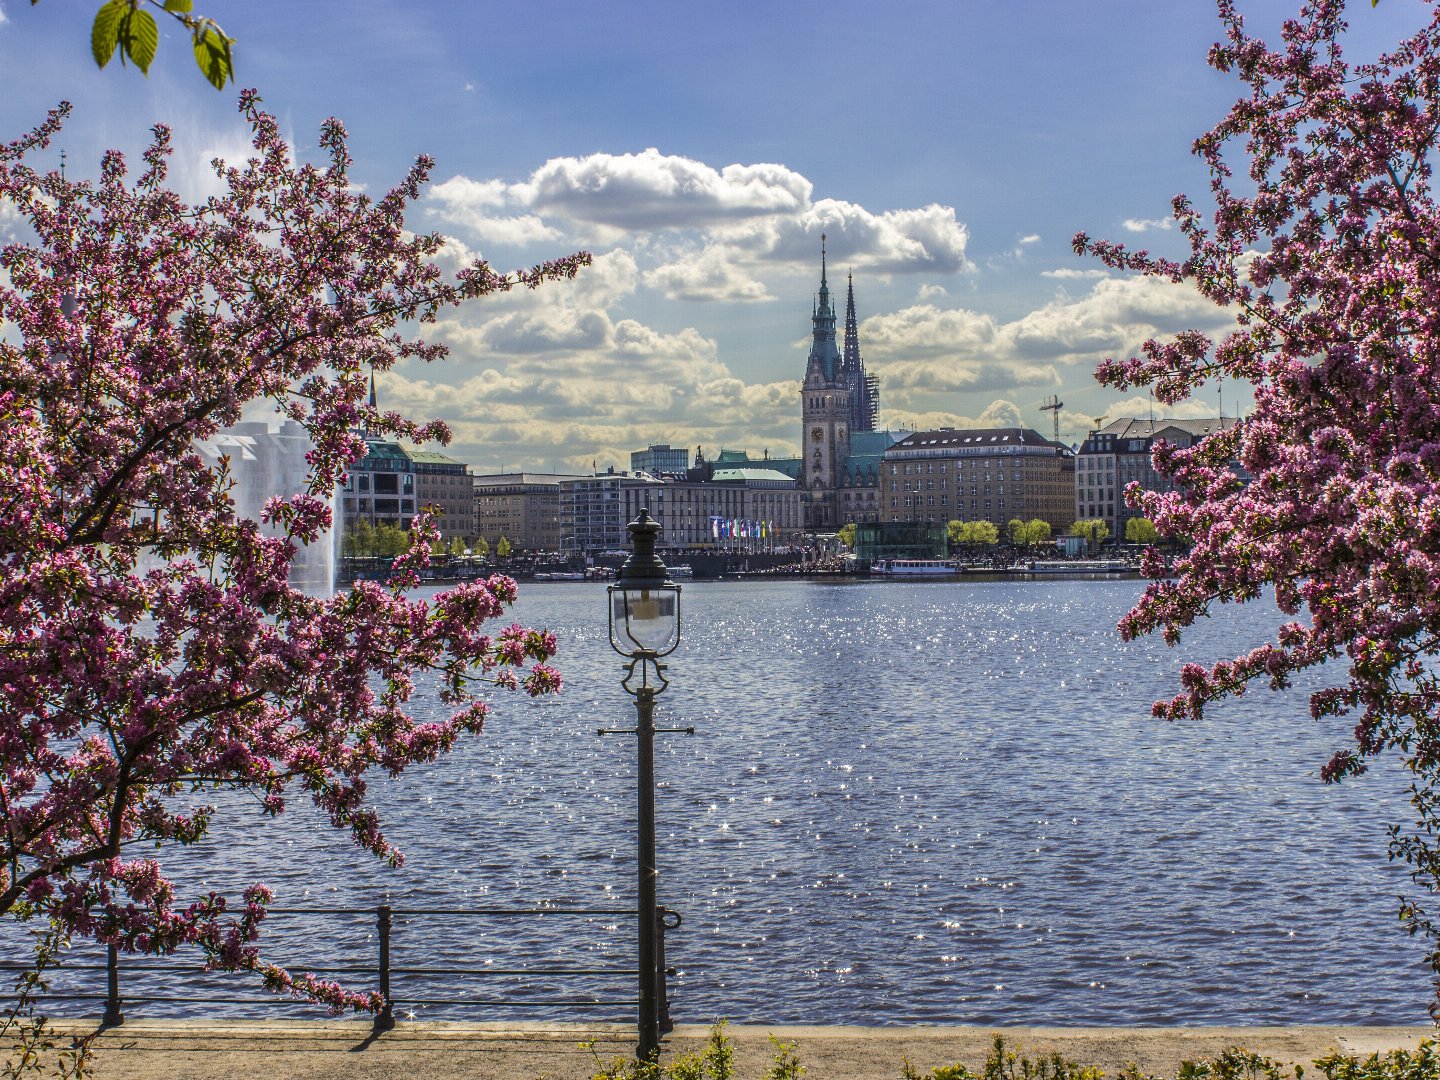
(1326, 248)
(151, 647)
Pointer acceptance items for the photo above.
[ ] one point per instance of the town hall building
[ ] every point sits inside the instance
(840, 448)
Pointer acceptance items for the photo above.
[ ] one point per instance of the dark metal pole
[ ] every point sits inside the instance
(649, 1023)
(113, 1016)
(385, 1018)
(662, 973)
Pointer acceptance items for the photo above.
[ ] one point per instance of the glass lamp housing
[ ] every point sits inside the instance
(645, 619)
(644, 602)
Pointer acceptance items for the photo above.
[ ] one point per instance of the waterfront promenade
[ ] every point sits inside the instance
(313, 1050)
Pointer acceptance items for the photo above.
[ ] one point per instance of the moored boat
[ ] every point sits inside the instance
(1075, 566)
(913, 568)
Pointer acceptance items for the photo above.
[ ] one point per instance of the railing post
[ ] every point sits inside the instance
(385, 1018)
(662, 991)
(113, 1016)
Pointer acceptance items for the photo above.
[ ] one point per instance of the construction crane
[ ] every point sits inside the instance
(1100, 422)
(1053, 405)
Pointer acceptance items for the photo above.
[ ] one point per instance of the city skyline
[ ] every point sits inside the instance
(948, 151)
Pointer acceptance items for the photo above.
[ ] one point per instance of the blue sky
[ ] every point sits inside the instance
(949, 149)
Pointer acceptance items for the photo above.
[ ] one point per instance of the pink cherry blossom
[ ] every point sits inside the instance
(1326, 249)
(135, 326)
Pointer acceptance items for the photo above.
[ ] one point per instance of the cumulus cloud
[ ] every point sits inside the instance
(999, 413)
(13, 226)
(1114, 317)
(1032, 238)
(657, 191)
(1140, 225)
(931, 292)
(1070, 273)
(196, 146)
(707, 275)
(924, 348)
(478, 208)
(729, 265)
(1202, 407)
(734, 222)
(928, 240)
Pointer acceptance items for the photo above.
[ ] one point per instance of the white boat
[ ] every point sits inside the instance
(1075, 566)
(680, 573)
(914, 568)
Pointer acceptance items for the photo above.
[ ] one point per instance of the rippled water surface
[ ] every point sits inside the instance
(903, 803)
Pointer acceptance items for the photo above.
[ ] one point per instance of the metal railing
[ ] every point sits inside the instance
(405, 984)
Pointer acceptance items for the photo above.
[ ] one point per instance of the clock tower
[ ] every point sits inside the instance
(826, 413)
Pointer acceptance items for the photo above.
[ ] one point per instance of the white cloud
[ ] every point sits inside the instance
(1140, 225)
(13, 226)
(1070, 273)
(708, 275)
(732, 222)
(1032, 238)
(931, 292)
(651, 190)
(1114, 317)
(999, 413)
(925, 349)
(197, 146)
(472, 205)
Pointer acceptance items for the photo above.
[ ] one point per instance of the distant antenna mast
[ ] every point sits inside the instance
(1053, 405)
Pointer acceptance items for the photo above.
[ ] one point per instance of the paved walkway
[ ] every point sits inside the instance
(196, 1050)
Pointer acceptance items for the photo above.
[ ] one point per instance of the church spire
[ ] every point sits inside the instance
(864, 388)
(824, 308)
(851, 359)
(824, 355)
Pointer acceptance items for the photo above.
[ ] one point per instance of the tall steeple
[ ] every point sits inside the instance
(851, 360)
(824, 355)
(863, 387)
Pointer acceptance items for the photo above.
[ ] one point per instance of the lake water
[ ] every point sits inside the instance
(903, 803)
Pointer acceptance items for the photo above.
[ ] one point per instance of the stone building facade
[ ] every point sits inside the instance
(987, 474)
(522, 507)
(443, 483)
(1119, 454)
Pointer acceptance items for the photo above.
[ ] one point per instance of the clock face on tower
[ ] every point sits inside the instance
(817, 434)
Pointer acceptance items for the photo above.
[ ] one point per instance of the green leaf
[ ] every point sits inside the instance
(139, 36)
(212, 54)
(105, 33)
(179, 7)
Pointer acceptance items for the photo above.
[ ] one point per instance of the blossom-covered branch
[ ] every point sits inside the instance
(1327, 254)
(137, 325)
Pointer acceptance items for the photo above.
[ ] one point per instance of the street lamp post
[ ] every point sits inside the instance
(645, 626)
